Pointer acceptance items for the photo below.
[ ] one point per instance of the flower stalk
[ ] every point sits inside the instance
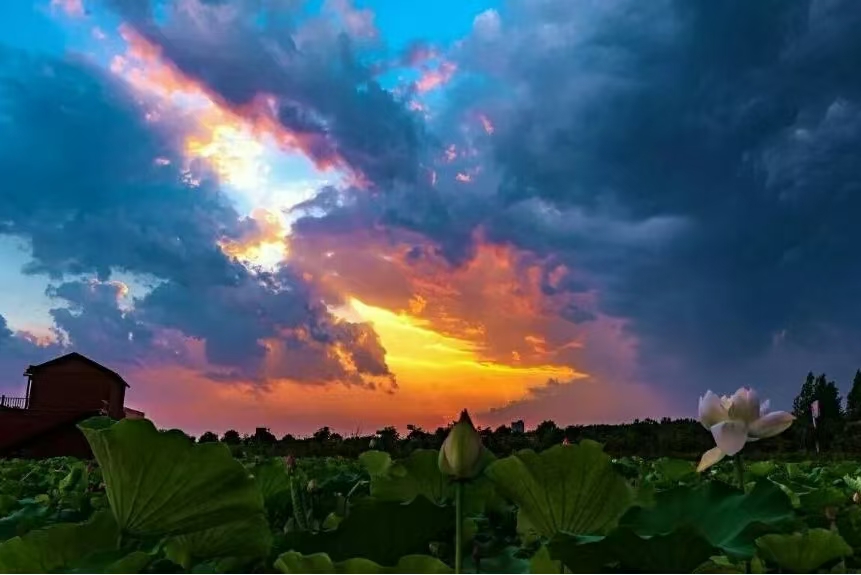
(739, 471)
(458, 528)
(461, 457)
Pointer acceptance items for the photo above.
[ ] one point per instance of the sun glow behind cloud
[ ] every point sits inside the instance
(266, 170)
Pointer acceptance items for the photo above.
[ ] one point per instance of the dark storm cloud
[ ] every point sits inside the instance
(324, 91)
(82, 184)
(736, 124)
(695, 162)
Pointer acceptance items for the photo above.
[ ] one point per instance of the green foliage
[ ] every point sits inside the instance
(570, 488)
(160, 483)
(721, 513)
(292, 562)
(159, 503)
(803, 552)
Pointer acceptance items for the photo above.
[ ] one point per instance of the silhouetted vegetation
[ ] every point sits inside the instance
(837, 431)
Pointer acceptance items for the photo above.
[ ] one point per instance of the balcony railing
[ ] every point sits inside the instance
(13, 402)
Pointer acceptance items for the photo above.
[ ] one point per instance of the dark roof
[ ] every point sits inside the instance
(76, 356)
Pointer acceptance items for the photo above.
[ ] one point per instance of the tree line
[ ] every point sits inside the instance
(837, 433)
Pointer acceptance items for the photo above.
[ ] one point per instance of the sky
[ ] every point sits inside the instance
(358, 213)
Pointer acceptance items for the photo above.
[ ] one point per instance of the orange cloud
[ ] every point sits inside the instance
(265, 245)
(433, 78)
(229, 138)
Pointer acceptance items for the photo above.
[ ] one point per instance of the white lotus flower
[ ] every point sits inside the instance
(736, 420)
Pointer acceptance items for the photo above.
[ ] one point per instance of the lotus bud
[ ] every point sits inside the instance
(566, 441)
(312, 486)
(373, 443)
(290, 461)
(461, 453)
(856, 497)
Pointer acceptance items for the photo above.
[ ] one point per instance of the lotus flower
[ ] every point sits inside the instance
(736, 420)
(461, 453)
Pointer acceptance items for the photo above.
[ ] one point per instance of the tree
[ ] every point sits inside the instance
(802, 402)
(208, 437)
(853, 399)
(231, 437)
(263, 436)
(322, 435)
(830, 408)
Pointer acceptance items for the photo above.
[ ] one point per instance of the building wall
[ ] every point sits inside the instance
(67, 440)
(38, 433)
(76, 385)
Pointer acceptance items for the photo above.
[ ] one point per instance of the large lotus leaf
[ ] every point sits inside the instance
(114, 561)
(292, 562)
(59, 546)
(161, 483)
(510, 559)
(724, 515)
(674, 470)
(849, 525)
(382, 531)
(248, 538)
(30, 516)
(134, 562)
(803, 552)
(271, 477)
(680, 551)
(405, 479)
(542, 562)
(567, 488)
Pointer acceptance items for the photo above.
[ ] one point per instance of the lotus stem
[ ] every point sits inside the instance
(739, 471)
(458, 527)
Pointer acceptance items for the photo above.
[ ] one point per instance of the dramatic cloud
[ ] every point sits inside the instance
(641, 199)
(96, 185)
(315, 84)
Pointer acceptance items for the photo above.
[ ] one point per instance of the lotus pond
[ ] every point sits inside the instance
(155, 502)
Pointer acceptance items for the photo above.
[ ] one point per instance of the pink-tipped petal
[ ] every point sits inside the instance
(709, 458)
(711, 410)
(771, 424)
(745, 405)
(730, 435)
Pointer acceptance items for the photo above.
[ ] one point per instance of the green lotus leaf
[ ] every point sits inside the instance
(803, 552)
(727, 518)
(406, 479)
(382, 531)
(567, 488)
(59, 546)
(293, 562)
(161, 483)
(248, 538)
(675, 470)
(680, 551)
(542, 562)
(134, 562)
(271, 477)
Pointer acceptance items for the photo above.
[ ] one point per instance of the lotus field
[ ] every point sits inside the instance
(156, 502)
